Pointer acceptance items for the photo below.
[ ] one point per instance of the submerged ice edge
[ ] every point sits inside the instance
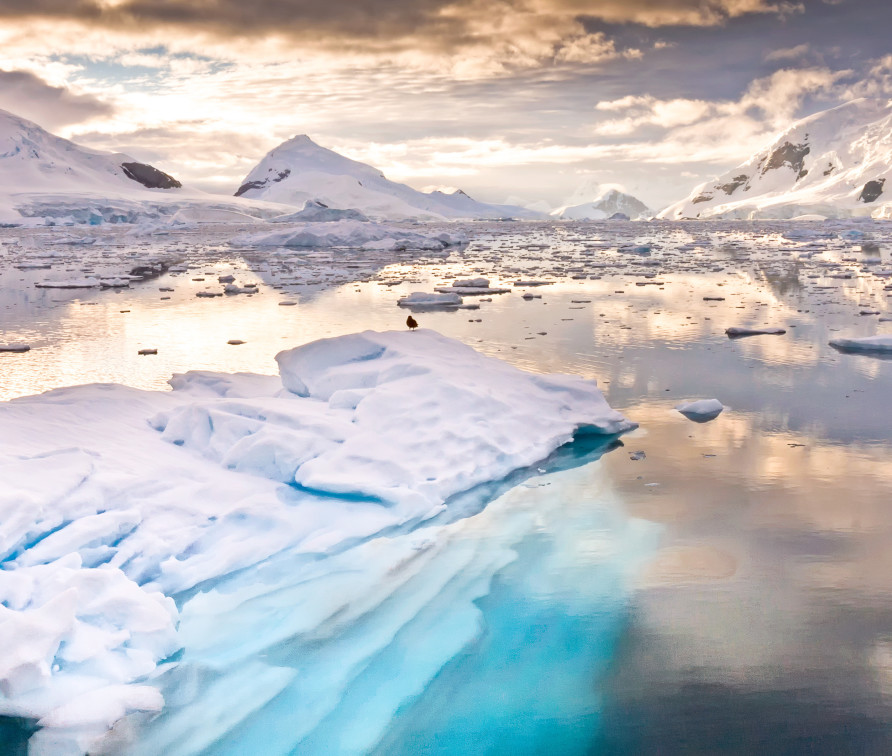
(93, 551)
(341, 646)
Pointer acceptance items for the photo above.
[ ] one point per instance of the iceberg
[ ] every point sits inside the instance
(349, 233)
(122, 509)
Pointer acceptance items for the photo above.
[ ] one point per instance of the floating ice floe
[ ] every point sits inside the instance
(105, 517)
(878, 344)
(71, 283)
(736, 332)
(426, 299)
(471, 287)
(702, 410)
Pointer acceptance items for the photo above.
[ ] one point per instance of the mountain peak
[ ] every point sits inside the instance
(593, 201)
(299, 170)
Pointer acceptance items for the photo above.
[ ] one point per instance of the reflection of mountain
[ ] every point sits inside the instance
(834, 163)
(782, 280)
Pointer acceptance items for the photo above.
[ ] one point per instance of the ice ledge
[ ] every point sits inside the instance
(403, 419)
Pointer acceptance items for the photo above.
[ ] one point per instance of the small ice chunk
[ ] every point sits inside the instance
(701, 411)
(736, 332)
(425, 299)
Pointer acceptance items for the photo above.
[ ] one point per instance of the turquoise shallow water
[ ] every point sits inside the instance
(729, 592)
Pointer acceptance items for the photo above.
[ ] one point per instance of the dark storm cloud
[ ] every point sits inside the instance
(442, 20)
(29, 96)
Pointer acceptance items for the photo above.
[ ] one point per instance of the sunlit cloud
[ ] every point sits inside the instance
(484, 94)
(29, 96)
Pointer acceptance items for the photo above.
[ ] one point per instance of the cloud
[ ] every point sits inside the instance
(29, 96)
(788, 53)
(877, 82)
(495, 34)
(768, 104)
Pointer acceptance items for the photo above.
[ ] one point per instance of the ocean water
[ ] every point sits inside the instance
(728, 591)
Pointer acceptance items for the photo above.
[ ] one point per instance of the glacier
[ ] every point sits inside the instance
(158, 548)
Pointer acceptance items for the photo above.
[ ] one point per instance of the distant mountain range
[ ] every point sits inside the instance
(836, 164)
(299, 170)
(593, 202)
(43, 176)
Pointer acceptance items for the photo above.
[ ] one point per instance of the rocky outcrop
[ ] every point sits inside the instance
(792, 155)
(249, 185)
(149, 176)
(872, 190)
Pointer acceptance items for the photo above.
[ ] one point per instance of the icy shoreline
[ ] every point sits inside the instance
(106, 517)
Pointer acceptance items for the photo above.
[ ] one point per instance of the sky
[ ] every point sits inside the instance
(528, 100)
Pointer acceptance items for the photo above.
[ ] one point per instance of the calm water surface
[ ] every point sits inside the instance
(730, 592)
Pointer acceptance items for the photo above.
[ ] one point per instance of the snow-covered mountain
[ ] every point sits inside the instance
(300, 170)
(592, 202)
(32, 159)
(46, 178)
(835, 163)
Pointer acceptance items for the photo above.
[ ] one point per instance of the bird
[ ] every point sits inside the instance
(412, 323)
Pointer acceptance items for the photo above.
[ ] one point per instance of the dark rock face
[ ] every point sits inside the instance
(871, 190)
(733, 185)
(789, 154)
(701, 198)
(149, 176)
(248, 186)
(619, 217)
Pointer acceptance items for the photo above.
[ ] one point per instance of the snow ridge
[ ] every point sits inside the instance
(835, 163)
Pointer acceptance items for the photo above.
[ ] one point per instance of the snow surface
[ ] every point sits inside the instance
(104, 517)
(300, 171)
(828, 165)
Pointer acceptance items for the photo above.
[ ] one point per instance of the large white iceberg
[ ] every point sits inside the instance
(349, 233)
(104, 519)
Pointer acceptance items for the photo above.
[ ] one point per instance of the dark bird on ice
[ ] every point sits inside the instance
(412, 323)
